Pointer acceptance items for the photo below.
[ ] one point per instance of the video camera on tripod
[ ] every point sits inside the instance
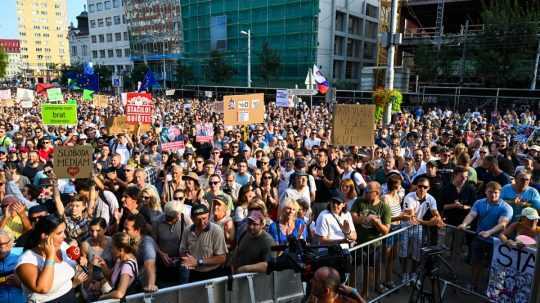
(304, 259)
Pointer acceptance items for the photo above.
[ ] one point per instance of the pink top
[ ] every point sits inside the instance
(123, 267)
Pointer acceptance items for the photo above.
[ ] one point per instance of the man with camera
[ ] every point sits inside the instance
(326, 287)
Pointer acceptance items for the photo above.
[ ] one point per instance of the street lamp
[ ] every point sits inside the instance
(248, 34)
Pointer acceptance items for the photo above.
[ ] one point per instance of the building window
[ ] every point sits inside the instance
(338, 46)
(74, 50)
(102, 53)
(126, 52)
(91, 8)
(101, 38)
(340, 21)
(99, 6)
(107, 4)
(351, 71)
(117, 20)
(372, 11)
(125, 36)
(124, 21)
(355, 25)
(117, 36)
(118, 53)
(94, 39)
(371, 30)
(84, 50)
(370, 50)
(110, 53)
(338, 67)
(108, 21)
(100, 22)
(94, 54)
(116, 3)
(92, 23)
(109, 37)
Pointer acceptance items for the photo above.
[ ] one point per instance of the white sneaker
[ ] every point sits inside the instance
(405, 277)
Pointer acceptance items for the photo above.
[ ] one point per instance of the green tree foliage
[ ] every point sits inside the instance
(105, 76)
(136, 75)
(270, 63)
(505, 52)
(218, 71)
(183, 73)
(434, 64)
(3, 62)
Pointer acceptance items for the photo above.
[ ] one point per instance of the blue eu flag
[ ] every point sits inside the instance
(148, 81)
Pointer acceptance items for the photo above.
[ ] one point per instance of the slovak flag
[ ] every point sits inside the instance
(322, 83)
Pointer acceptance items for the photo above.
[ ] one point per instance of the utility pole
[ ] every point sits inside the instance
(535, 72)
(248, 34)
(463, 54)
(391, 54)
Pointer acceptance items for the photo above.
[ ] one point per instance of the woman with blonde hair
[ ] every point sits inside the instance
(122, 277)
(347, 188)
(459, 149)
(288, 223)
(150, 201)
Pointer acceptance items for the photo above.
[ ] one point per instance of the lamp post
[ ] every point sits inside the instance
(248, 34)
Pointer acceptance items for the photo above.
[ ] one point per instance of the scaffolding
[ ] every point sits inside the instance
(288, 26)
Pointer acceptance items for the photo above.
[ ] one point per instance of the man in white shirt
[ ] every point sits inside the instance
(312, 140)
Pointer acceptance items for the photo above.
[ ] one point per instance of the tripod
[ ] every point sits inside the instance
(431, 261)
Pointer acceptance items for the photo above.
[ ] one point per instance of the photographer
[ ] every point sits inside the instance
(326, 287)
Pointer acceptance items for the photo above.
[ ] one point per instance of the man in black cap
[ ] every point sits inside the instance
(203, 249)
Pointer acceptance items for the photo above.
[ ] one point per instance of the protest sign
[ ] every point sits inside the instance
(123, 98)
(139, 108)
(511, 273)
(522, 133)
(282, 98)
(72, 101)
(243, 109)
(173, 146)
(5, 94)
(25, 97)
(55, 94)
(59, 114)
(87, 95)
(74, 162)
(170, 92)
(353, 124)
(7, 103)
(208, 94)
(204, 132)
(118, 125)
(171, 139)
(218, 107)
(101, 101)
(534, 139)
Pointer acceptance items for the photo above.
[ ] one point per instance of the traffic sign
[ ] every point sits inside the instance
(302, 92)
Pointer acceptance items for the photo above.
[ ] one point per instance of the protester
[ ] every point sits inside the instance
(10, 286)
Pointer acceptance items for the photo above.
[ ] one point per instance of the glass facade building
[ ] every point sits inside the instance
(288, 26)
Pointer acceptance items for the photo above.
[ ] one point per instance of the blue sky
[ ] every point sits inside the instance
(8, 16)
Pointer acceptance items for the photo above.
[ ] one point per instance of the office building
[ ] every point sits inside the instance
(155, 33)
(340, 36)
(79, 41)
(43, 26)
(109, 39)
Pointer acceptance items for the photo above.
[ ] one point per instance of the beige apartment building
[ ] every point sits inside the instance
(43, 31)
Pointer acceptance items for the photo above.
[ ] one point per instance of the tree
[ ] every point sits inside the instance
(505, 52)
(436, 64)
(218, 70)
(184, 73)
(3, 62)
(136, 75)
(105, 76)
(270, 63)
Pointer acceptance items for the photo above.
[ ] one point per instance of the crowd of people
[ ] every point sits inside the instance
(148, 219)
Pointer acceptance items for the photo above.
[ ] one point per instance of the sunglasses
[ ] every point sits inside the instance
(423, 186)
(213, 183)
(179, 197)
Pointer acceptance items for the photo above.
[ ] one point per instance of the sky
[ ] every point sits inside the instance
(8, 16)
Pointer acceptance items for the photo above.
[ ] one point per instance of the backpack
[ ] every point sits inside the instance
(357, 188)
(101, 195)
(136, 285)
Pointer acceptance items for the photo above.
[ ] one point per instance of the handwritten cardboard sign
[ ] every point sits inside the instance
(55, 94)
(5, 94)
(59, 114)
(101, 101)
(243, 109)
(74, 162)
(353, 124)
(118, 125)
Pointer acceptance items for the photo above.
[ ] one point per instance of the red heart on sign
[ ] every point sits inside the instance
(73, 171)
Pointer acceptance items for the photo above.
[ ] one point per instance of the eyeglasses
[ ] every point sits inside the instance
(422, 186)
(179, 197)
(213, 182)
(267, 177)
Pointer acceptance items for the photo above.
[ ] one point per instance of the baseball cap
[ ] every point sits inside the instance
(220, 198)
(256, 216)
(199, 209)
(132, 192)
(338, 197)
(530, 213)
(300, 163)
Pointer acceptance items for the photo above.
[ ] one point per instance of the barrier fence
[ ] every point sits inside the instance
(407, 258)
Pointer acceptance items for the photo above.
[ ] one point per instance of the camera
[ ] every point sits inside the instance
(304, 259)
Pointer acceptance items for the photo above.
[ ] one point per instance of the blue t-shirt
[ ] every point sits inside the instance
(280, 238)
(7, 267)
(529, 196)
(243, 179)
(488, 214)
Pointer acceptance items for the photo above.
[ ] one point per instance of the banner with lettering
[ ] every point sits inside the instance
(5, 94)
(139, 108)
(25, 97)
(73, 161)
(204, 132)
(55, 94)
(511, 274)
(172, 139)
(59, 114)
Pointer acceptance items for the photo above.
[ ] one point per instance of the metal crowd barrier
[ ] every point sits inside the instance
(284, 286)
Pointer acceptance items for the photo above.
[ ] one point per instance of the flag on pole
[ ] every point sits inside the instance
(87, 95)
(148, 81)
(320, 80)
